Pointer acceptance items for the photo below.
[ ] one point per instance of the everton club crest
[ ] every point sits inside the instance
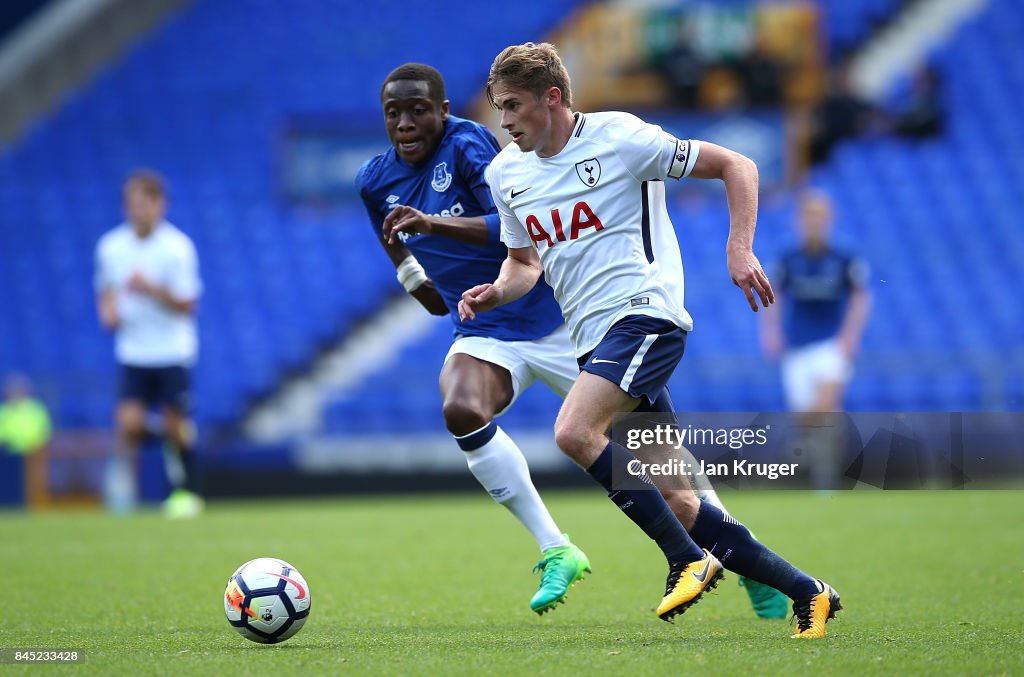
(589, 171)
(442, 177)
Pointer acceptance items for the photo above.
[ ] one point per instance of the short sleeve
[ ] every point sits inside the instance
(476, 150)
(513, 234)
(375, 214)
(857, 273)
(185, 283)
(649, 152)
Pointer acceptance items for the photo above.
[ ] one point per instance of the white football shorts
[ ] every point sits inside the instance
(805, 368)
(551, 360)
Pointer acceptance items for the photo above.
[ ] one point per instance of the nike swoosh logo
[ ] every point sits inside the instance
(597, 361)
(704, 574)
(302, 590)
(514, 194)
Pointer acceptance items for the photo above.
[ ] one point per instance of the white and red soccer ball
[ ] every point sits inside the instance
(267, 600)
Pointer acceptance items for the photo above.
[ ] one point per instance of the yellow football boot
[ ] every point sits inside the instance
(812, 614)
(686, 583)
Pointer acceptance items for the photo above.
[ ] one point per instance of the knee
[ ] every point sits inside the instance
(576, 441)
(132, 424)
(179, 429)
(464, 415)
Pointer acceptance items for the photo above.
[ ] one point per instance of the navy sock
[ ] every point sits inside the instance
(645, 507)
(741, 553)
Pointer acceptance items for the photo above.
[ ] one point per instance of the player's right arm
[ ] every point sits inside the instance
(519, 274)
(410, 273)
(520, 270)
(106, 300)
(106, 307)
(772, 340)
(414, 279)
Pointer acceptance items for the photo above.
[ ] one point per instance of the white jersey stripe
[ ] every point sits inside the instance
(634, 364)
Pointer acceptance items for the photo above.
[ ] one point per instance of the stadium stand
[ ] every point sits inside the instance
(848, 24)
(940, 225)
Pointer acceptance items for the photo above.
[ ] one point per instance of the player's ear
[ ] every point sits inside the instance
(553, 97)
(444, 110)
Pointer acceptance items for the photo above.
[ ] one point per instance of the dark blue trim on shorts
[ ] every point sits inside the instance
(638, 354)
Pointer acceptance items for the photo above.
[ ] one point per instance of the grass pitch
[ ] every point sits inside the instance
(931, 583)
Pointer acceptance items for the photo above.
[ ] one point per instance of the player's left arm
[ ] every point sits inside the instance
(858, 309)
(740, 176)
(406, 219)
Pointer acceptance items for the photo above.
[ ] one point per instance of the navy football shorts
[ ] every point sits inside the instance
(157, 386)
(639, 354)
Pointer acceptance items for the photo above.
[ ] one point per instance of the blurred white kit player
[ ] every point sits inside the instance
(150, 334)
(147, 284)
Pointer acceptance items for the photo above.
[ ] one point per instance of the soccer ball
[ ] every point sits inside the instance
(267, 600)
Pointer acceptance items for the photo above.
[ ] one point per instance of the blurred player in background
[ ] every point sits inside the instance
(26, 429)
(825, 303)
(495, 358)
(25, 426)
(147, 285)
(581, 199)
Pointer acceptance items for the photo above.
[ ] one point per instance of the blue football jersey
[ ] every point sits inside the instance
(815, 289)
(451, 183)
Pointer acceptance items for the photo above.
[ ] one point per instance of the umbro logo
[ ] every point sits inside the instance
(702, 576)
(513, 194)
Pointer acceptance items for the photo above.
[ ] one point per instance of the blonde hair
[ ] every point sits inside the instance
(531, 67)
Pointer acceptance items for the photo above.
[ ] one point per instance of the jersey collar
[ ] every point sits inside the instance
(577, 129)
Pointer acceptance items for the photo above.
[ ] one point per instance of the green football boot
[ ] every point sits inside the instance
(766, 600)
(560, 569)
(183, 504)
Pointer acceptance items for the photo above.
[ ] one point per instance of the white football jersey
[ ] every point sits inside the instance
(150, 334)
(596, 214)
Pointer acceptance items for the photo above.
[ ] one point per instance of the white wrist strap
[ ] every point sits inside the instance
(411, 274)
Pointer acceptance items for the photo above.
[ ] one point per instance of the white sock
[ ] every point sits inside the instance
(120, 490)
(501, 468)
